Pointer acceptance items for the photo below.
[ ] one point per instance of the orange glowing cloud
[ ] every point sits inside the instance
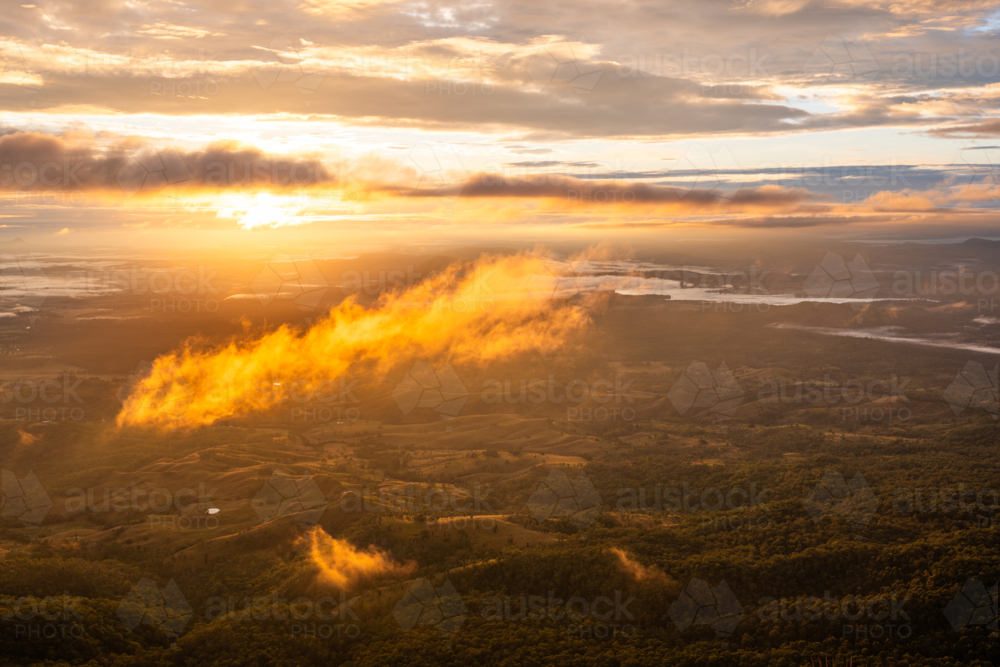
(495, 308)
(639, 572)
(343, 566)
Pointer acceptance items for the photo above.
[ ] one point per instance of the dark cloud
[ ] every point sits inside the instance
(984, 130)
(574, 190)
(552, 163)
(36, 161)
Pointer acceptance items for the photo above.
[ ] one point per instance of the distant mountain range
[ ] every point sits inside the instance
(981, 243)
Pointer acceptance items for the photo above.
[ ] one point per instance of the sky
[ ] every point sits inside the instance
(374, 123)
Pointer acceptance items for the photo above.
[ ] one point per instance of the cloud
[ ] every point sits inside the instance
(565, 86)
(73, 161)
(80, 161)
(735, 70)
(983, 130)
(471, 313)
(576, 191)
(343, 565)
